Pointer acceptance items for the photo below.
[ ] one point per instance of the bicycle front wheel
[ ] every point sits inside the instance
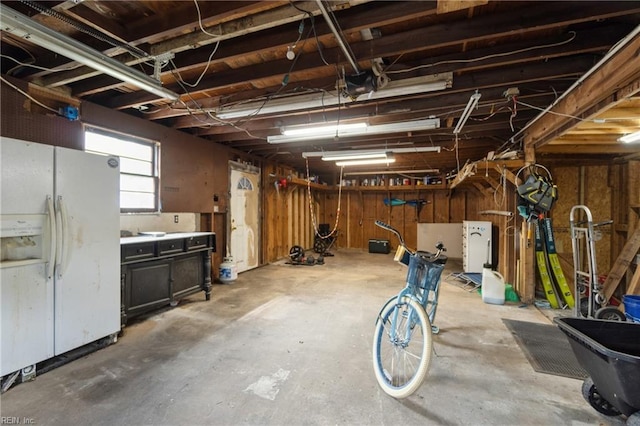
(402, 346)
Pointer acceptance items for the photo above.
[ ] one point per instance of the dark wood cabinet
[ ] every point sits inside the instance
(157, 271)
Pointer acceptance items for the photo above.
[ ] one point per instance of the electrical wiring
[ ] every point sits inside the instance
(482, 58)
(200, 21)
(8, 83)
(39, 67)
(551, 112)
(208, 113)
(215, 49)
(315, 34)
(194, 85)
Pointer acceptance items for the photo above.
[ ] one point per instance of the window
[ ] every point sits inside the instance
(139, 171)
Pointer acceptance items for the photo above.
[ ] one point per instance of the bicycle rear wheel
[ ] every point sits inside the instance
(402, 354)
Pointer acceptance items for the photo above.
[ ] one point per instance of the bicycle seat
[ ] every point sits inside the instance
(431, 257)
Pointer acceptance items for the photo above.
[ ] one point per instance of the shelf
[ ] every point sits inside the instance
(303, 182)
(395, 188)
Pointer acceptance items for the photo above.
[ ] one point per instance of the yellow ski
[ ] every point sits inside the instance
(554, 261)
(543, 270)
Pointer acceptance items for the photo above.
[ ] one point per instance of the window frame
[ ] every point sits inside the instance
(155, 163)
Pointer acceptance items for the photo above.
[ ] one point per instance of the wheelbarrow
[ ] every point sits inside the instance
(609, 351)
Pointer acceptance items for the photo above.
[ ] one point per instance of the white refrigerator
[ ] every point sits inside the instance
(476, 245)
(60, 254)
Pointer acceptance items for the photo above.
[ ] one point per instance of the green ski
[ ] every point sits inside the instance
(554, 261)
(543, 270)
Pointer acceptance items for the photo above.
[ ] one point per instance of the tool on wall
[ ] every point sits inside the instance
(537, 194)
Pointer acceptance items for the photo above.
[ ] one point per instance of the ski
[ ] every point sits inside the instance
(554, 261)
(543, 270)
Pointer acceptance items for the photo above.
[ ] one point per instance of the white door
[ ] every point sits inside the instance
(244, 210)
(26, 292)
(87, 289)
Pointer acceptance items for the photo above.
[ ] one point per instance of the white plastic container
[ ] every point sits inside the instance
(228, 270)
(493, 287)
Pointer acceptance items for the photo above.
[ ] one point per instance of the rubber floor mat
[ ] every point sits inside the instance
(546, 348)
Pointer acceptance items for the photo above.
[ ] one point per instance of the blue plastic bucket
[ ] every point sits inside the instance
(632, 307)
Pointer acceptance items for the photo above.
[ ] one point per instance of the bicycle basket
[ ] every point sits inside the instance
(423, 273)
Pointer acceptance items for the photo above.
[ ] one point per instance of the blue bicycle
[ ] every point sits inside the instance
(403, 341)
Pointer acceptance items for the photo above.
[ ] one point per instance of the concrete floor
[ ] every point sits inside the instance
(290, 345)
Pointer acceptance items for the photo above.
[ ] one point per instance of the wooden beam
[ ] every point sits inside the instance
(618, 71)
(446, 6)
(621, 264)
(634, 284)
(483, 189)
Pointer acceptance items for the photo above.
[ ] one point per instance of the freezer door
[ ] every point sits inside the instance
(27, 317)
(87, 290)
(27, 176)
(26, 294)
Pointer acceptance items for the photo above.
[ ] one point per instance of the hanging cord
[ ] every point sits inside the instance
(313, 215)
(503, 186)
(34, 100)
(457, 154)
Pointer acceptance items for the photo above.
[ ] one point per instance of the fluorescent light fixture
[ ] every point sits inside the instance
(366, 162)
(328, 130)
(391, 172)
(346, 152)
(354, 156)
(22, 26)
(287, 103)
(473, 103)
(630, 138)
(405, 126)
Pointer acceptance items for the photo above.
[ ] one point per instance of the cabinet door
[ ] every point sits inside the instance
(147, 285)
(187, 272)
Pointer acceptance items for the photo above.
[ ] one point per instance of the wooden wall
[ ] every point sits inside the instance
(194, 170)
(589, 186)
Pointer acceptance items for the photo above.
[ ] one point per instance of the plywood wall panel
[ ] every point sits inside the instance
(598, 199)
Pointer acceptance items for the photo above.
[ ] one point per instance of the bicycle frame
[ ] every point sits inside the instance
(423, 277)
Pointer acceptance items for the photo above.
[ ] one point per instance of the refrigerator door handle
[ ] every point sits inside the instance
(52, 237)
(59, 238)
(64, 256)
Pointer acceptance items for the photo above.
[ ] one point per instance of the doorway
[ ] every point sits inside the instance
(244, 211)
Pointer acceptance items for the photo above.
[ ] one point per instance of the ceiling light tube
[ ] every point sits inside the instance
(347, 156)
(328, 129)
(409, 86)
(22, 26)
(391, 172)
(630, 138)
(473, 103)
(366, 162)
(405, 126)
(345, 152)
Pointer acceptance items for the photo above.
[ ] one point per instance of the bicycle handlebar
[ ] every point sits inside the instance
(383, 225)
(388, 227)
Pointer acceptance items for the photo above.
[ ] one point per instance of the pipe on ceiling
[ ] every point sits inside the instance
(341, 41)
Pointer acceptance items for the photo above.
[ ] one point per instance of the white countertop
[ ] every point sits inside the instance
(170, 236)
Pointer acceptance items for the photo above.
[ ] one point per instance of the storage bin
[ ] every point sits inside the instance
(379, 246)
(632, 307)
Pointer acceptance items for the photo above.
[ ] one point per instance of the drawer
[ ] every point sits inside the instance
(170, 247)
(198, 243)
(137, 251)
